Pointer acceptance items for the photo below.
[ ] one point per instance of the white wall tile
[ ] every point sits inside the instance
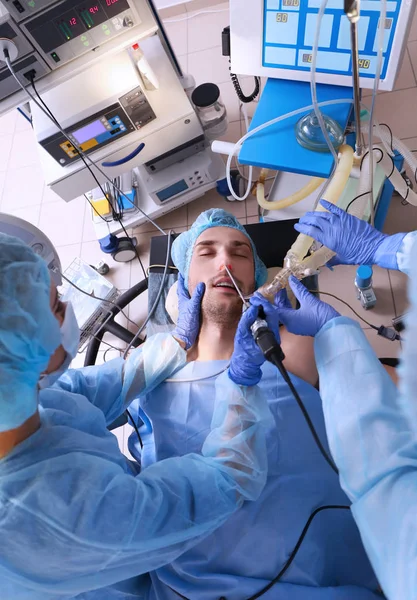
(22, 187)
(6, 144)
(63, 221)
(119, 273)
(177, 34)
(398, 110)
(67, 254)
(205, 30)
(8, 122)
(24, 151)
(209, 66)
(29, 213)
(49, 195)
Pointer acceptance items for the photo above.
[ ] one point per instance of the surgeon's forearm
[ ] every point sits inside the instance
(148, 366)
(365, 425)
(404, 252)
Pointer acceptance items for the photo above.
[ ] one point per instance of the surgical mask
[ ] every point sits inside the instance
(70, 340)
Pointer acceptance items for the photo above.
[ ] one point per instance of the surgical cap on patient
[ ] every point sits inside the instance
(29, 332)
(183, 246)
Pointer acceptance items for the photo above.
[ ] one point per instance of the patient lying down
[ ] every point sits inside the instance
(248, 552)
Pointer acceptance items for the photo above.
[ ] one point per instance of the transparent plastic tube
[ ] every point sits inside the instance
(294, 263)
(249, 134)
(381, 35)
(338, 183)
(313, 85)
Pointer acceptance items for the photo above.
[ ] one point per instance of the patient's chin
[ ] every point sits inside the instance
(224, 312)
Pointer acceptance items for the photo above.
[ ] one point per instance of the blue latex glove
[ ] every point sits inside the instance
(354, 241)
(310, 317)
(247, 358)
(189, 312)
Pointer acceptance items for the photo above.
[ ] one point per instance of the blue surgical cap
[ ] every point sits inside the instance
(29, 332)
(183, 246)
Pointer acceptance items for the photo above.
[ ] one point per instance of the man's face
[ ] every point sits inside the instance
(58, 308)
(215, 248)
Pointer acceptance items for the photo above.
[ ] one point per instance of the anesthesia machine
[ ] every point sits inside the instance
(107, 98)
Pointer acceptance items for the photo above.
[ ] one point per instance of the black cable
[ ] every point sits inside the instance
(292, 555)
(391, 134)
(354, 200)
(278, 363)
(238, 89)
(55, 120)
(96, 211)
(129, 416)
(296, 548)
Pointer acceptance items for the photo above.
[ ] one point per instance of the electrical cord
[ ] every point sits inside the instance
(280, 366)
(387, 332)
(129, 416)
(92, 295)
(108, 350)
(297, 547)
(117, 216)
(238, 89)
(292, 556)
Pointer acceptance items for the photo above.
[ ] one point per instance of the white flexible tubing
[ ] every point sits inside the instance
(387, 165)
(338, 183)
(309, 188)
(384, 136)
(293, 113)
(359, 206)
(406, 153)
(313, 86)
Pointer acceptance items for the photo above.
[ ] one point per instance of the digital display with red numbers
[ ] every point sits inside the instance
(70, 25)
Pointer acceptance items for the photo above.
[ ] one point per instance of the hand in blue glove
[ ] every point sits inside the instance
(310, 317)
(189, 312)
(354, 241)
(247, 358)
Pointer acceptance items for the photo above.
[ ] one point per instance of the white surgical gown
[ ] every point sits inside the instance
(372, 432)
(74, 515)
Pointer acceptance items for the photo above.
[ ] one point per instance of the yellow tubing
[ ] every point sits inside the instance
(305, 191)
(338, 183)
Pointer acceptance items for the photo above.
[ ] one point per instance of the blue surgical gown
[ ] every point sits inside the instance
(372, 431)
(249, 550)
(75, 517)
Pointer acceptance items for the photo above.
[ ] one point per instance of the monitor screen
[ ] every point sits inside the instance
(89, 131)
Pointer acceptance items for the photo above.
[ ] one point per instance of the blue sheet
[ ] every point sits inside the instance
(248, 551)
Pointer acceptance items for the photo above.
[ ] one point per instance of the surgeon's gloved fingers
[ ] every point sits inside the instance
(333, 262)
(315, 218)
(197, 296)
(270, 311)
(281, 299)
(247, 320)
(181, 291)
(339, 212)
(301, 292)
(311, 231)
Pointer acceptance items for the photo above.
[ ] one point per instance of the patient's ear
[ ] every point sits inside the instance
(171, 303)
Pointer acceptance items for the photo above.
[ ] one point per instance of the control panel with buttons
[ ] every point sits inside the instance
(91, 134)
(192, 180)
(65, 31)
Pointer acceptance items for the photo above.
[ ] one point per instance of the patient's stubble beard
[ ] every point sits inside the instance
(227, 314)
